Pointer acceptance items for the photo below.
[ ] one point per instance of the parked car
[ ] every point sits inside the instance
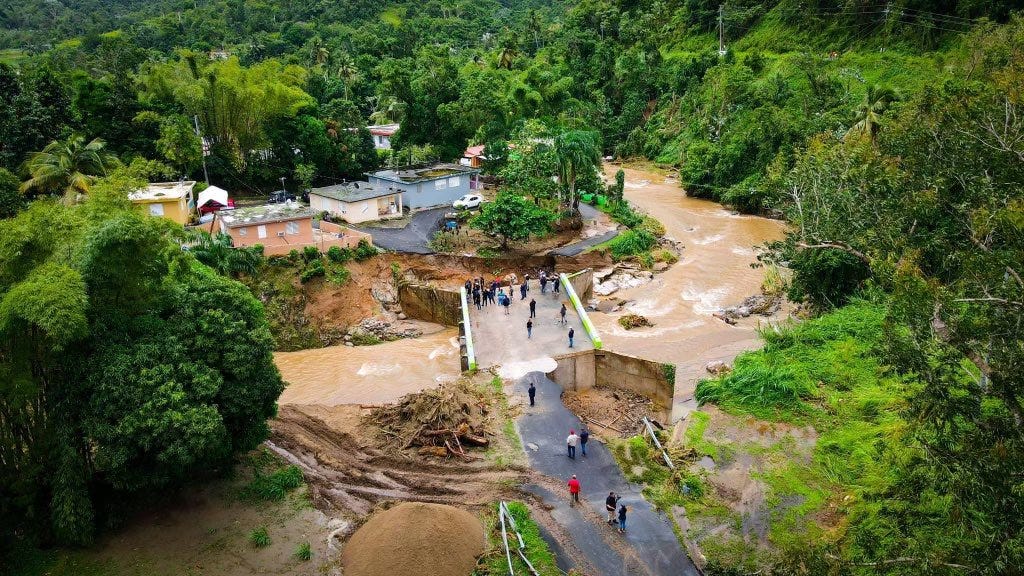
(468, 201)
(279, 196)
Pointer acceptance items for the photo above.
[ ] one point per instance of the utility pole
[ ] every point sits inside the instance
(721, 29)
(202, 146)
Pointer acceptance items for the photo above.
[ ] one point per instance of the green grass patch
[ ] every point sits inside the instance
(303, 552)
(259, 537)
(495, 563)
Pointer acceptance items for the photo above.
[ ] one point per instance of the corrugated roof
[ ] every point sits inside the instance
(351, 192)
(160, 191)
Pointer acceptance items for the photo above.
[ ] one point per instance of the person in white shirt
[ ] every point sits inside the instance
(571, 442)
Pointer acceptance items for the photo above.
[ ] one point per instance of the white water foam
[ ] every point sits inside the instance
(709, 240)
(705, 301)
(636, 185)
(371, 369)
(741, 251)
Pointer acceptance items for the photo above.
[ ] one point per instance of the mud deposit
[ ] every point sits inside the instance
(415, 538)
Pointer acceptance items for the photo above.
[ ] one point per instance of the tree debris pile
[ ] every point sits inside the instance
(439, 421)
(630, 321)
(614, 412)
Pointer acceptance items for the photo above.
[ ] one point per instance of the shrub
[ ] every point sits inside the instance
(304, 552)
(364, 250)
(338, 275)
(646, 260)
(310, 253)
(652, 226)
(259, 537)
(293, 255)
(339, 255)
(313, 270)
(274, 486)
(623, 214)
(666, 256)
(631, 243)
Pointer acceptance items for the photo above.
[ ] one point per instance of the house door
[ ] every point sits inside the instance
(261, 231)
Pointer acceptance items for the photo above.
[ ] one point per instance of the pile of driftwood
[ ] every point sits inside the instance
(440, 421)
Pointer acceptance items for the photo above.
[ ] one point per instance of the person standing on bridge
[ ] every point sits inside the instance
(522, 291)
(529, 329)
(554, 283)
(574, 490)
(570, 442)
(543, 283)
(532, 392)
(562, 313)
(533, 308)
(571, 334)
(508, 302)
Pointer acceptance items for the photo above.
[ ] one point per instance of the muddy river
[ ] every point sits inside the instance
(368, 374)
(714, 272)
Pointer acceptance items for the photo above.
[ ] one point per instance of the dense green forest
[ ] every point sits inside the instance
(887, 133)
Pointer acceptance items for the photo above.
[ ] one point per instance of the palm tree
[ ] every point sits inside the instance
(576, 151)
(347, 71)
(319, 52)
(219, 253)
(877, 100)
(67, 167)
(508, 53)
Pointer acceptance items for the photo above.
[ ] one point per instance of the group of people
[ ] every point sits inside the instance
(494, 294)
(610, 503)
(616, 515)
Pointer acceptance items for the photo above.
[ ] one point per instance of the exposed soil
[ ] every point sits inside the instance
(348, 474)
(610, 412)
(415, 538)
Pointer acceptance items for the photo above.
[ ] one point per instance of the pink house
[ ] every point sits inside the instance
(281, 228)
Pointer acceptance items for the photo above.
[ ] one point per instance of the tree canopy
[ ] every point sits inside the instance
(128, 367)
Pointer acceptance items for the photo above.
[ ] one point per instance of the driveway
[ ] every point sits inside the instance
(414, 238)
(648, 547)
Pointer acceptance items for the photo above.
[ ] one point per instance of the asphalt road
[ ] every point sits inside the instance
(652, 545)
(414, 238)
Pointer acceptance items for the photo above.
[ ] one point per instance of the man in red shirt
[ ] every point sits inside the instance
(574, 490)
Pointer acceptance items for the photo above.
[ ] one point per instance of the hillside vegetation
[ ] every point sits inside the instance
(888, 134)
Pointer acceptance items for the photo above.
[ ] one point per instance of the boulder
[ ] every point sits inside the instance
(660, 266)
(605, 288)
(718, 367)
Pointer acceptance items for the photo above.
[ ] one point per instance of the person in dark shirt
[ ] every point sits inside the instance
(532, 392)
(609, 505)
(584, 436)
(622, 519)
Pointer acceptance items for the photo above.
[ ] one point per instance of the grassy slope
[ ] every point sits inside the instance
(825, 374)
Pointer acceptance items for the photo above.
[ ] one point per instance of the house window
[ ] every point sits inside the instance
(243, 232)
(261, 231)
(454, 182)
(441, 184)
(291, 228)
(156, 209)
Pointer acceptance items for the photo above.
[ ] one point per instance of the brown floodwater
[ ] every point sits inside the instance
(713, 272)
(368, 374)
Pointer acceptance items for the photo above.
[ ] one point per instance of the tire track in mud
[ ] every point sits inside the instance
(351, 477)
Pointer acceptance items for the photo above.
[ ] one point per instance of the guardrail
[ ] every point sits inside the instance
(467, 332)
(580, 310)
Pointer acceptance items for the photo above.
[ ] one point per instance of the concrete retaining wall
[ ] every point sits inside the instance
(583, 370)
(575, 371)
(583, 283)
(431, 304)
(635, 374)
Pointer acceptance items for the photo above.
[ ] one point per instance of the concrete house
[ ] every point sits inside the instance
(424, 187)
(356, 202)
(165, 199)
(382, 134)
(281, 228)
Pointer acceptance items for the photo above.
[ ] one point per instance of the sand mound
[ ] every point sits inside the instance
(413, 539)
